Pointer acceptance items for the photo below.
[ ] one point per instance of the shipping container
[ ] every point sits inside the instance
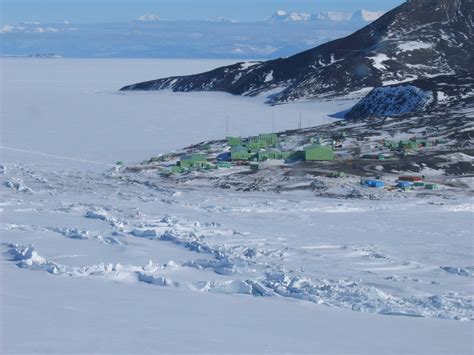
(372, 183)
(411, 178)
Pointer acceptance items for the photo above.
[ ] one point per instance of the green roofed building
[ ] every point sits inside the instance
(262, 141)
(318, 152)
(178, 170)
(256, 143)
(269, 138)
(412, 144)
(193, 161)
(240, 153)
(234, 141)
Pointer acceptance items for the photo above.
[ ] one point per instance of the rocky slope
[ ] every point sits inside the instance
(441, 93)
(420, 38)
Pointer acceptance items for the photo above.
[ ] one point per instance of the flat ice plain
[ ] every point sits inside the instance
(94, 264)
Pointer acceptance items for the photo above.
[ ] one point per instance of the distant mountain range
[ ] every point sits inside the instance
(420, 39)
(151, 36)
(358, 16)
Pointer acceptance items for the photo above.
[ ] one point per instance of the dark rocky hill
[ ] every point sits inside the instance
(419, 39)
(441, 93)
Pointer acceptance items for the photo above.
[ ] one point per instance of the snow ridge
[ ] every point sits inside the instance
(252, 270)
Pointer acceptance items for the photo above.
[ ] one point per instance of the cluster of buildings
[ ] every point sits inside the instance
(403, 182)
(253, 150)
(189, 162)
(412, 144)
(266, 147)
(402, 147)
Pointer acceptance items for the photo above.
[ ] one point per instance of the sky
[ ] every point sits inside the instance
(86, 11)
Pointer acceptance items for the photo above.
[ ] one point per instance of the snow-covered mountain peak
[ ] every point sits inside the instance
(283, 16)
(300, 16)
(337, 16)
(148, 18)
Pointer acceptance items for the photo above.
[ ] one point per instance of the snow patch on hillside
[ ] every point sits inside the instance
(269, 77)
(414, 45)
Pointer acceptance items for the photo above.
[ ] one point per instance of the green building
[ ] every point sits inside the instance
(269, 138)
(178, 170)
(262, 141)
(240, 153)
(390, 145)
(413, 144)
(256, 145)
(234, 141)
(193, 161)
(318, 152)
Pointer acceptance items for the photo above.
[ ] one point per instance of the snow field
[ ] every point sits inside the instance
(354, 275)
(95, 261)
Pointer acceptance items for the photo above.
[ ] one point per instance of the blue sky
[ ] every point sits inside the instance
(83, 11)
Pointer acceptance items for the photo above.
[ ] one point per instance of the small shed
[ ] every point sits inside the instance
(318, 152)
(431, 186)
(410, 144)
